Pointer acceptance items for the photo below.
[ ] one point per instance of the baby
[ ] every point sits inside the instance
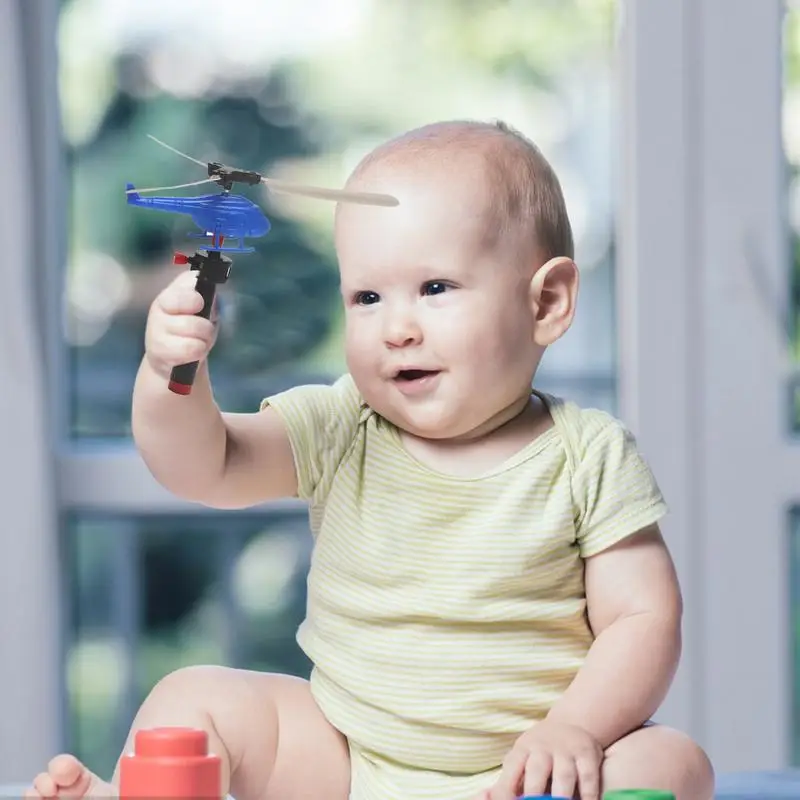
(492, 610)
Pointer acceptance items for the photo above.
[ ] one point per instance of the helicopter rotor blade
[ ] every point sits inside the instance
(168, 188)
(177, 152)
(340, 195)
(286, 187)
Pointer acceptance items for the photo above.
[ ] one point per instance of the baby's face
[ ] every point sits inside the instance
(439, 332)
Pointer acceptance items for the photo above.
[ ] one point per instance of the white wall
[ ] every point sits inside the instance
(702, 371)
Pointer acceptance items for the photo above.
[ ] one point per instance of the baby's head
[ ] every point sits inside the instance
(452, 297)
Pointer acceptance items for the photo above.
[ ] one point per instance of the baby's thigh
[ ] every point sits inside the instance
(311, 758)
(277, 743)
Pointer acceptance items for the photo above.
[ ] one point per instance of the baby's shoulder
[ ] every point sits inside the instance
(321, 412)
(321, 421)
(339, 397)
(590, 434)
(345, 396)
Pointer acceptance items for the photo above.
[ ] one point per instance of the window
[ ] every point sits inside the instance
(292, 98)
(684, 215)
(794, 549)
(791, 139)
(790, 312)
(155, 584)
(186, 589)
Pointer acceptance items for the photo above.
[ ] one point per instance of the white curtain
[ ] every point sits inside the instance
(30, 697)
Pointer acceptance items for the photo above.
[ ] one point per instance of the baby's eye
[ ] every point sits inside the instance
(366, 298)
(435, 287)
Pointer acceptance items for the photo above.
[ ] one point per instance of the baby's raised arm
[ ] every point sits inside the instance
(193, 449)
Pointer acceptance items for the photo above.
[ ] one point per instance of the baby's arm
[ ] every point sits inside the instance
(635, 608)
(191, 448)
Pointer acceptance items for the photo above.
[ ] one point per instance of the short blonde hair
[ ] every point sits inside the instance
(526, 199)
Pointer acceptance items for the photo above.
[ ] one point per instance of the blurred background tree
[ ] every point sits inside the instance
(791, 142)
(311, 111)
(282, 297)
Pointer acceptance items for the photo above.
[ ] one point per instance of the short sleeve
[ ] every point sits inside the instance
(615, 491)
(321, 422)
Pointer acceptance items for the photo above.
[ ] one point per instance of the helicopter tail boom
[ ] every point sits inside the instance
(173, 205)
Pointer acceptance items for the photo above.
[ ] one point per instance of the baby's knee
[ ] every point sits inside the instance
(691, 761)
(661, 756)
(695, 763)
(196, 684)
(702, 769)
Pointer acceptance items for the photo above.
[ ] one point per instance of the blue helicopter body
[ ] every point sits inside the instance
(220, 216)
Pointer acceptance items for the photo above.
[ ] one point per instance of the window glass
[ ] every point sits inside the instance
(791, 138)
(150, 594)
(794, 616)
(298, 91)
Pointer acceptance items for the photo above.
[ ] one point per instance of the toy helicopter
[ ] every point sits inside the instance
(222, 217)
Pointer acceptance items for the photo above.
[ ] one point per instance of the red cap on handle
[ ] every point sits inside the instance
(170, 764)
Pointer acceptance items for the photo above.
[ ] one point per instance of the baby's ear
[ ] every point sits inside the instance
(553, 295)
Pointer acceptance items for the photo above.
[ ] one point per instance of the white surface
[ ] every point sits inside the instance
(703, 263)
(29, 675)
(743, 266)
(657, 225)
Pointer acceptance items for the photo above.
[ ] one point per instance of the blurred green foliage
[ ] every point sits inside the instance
(200, 589)
(284, 295)
(791, 66)
(405, 65)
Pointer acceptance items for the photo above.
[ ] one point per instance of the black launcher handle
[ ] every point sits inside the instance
(212, 269)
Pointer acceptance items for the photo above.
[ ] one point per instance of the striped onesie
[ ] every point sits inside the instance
(447, 614)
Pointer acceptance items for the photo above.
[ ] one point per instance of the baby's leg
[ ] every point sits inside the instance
(656, 757)
(273, 740)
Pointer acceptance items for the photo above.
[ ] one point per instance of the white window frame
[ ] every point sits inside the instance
(702, 228)
(689, 202)
(30, 625)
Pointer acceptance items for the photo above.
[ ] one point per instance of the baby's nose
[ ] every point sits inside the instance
(402, 330)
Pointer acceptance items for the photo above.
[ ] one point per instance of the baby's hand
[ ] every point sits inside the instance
(174, 335)
(565, 757)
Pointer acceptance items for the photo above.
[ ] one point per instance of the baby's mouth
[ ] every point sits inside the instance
(410, 375)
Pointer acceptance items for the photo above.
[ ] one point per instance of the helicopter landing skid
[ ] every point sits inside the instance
(213, 270)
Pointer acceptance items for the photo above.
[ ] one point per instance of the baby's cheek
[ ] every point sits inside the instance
(363, 363)
(356, 363)
(488, 346)
(354, 356)
(355, 337)
(500, 364)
